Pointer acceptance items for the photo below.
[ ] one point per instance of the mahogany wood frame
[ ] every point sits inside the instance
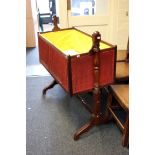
(96, 115)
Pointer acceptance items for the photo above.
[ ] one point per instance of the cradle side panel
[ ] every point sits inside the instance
(82, 73)
(107, 67)
(58, 67)
(43, 52)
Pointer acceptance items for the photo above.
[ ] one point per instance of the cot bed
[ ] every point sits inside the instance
(79, 63)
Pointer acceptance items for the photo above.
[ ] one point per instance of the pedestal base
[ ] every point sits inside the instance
(96, 120)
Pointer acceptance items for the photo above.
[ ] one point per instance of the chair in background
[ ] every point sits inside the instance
(118, 95)
(122, 66)
(46, 9)
(118, 101)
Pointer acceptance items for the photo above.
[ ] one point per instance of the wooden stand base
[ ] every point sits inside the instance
(49, 87)
(96, 116)
(96, 120)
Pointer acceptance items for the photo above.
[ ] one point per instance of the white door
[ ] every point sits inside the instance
(86, 15)
(105, 16)
(89, 16)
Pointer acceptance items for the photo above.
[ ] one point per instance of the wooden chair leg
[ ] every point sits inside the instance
(125, 137)
(107, 116)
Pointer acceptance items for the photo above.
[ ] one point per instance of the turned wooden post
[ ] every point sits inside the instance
(96, 116)
(55, 23)
(96, 38)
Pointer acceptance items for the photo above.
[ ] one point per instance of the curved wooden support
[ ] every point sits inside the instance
(83, 129)
(49, 87)
(96, 120)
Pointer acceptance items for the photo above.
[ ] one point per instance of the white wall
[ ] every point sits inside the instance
(31, 23)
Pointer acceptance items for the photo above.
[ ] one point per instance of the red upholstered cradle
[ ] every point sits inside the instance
(75, 73)
(79, 63)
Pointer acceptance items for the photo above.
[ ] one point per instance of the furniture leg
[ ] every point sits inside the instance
(83, 129)
(96, 115)
(96, 120)
(107, 116)
(125, 138)
(49, 87)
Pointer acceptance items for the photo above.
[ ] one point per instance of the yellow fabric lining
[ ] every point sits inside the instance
(71, 42)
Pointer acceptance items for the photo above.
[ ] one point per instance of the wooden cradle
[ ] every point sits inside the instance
(79, 63)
